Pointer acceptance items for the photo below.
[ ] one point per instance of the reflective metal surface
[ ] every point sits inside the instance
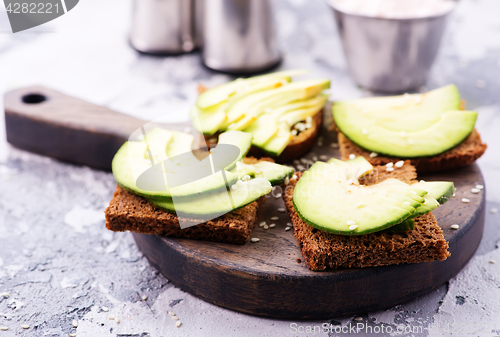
(238, 36)
(389, 55)
(163, 26)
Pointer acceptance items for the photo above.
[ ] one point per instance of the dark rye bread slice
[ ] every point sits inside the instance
(130, 212)
(322, 250)
(461, 155)
(298, 146)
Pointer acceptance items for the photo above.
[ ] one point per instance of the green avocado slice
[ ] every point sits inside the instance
(274, 173)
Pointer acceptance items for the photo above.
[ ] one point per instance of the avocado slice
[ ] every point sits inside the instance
(316, 102)
(209, 121)
(277, 143)
(439, 190)
(263, 128)
(216, 203)
(224, 91)
(326, 199)
(242, 140)
(356, 168)
(274, 173)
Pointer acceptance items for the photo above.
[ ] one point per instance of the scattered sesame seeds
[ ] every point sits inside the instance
(5, 294)
(494, 210)
(262, 224)
(4, 328)
(294, 132)
(399, 163)
(373, 155)
(178, 323)
(350, 223)
(358, 319)
(74, 323)
(171, 313)
(353, 227)
(175, 318)
(479, 187)
(407, 202)
(25, 326)
(480, 84)
(117, 320)
(492, 261)
(272, 225)
(274, 218)
(364, 131)
(475, 190)
(288, 228)
(144, 297)
(281, 210)
(403, 134)
(334, 145)
(391, 164)
(105, 309)
(265, 227)
(465, 200)
(111, 317)
(455, 226)
(352, 156)
(389, 169)
(410, 141)
(254, 240)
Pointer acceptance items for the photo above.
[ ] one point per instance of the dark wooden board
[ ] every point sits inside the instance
(262, 278)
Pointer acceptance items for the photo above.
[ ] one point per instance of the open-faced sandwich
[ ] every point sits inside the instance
(284, 117)
(349, 214)
(166, 188)
(432, 130)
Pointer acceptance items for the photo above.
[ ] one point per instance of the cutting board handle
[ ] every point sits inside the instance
(50, 123)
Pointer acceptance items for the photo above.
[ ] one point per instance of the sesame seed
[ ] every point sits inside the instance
(296, 162)
(294, 132)
(323, 157)
(171, 313)
(274, 218)
(314, 158)
(475, 190)
(144, 297)
(389, 169)
(391, 164)
(479, 187)
(25, 326)
(246, 177)
(258, 171)
(265, 227)
(334, 145)
(4, 328)
(364, 131)
(72, 335)
(288, 228)
(407, 202)
(410, 141)
(277, 196)
(309, 119)
(254, 240)
(360, 205)
(262, 224)
(287, 181)
(5, 294)
(465, 200)
(294, 176)
(175, 318)
(300, 168)
(453, 194)
(494, 210)
(403, 134)
(399, 163)
(178, 323)
(455, 226)
(350, 223)
(272, 225)
(480, 84)
(422, 181)
(234, 187)
(352, 156)
(281, 210)
(373, 154)
(358, 319)
(105, 309)
(111, 317)
(492, 261)
(117, 320)
(74, 323)
(353, 227)
(303, 160)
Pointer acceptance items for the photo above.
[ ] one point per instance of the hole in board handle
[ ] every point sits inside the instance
(33, 98)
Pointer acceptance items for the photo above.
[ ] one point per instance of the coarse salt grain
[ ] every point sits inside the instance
(352, 156)
(389, 169)
(475, 190)
(399, 163)
(254, 240)
(144, 297)
(422, 181)
(246, 177)
(323, 157)
(465, 200)
(294, 176)
(353, 227)
(455, 226)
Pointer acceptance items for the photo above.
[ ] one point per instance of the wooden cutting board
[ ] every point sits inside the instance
(263, 278)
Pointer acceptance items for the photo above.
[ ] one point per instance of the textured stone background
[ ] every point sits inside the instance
(57, 261)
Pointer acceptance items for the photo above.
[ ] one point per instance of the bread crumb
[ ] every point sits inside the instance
(299, 260)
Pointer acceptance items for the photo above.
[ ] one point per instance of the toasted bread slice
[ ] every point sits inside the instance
(322, 250)
(464, 154)
(130, 212)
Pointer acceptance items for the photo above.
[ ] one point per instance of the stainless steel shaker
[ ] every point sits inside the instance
(389, 55)
(238, 36)
(163, 26)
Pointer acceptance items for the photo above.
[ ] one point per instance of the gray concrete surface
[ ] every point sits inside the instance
(57, 261)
